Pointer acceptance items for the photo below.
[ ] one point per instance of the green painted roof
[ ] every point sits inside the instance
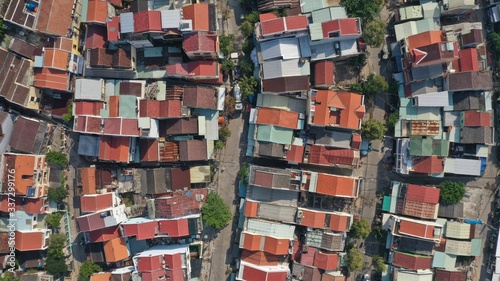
(308, 6)
(428, 147)
(274, 134)
(386, 204)
(328, 14)
(476, 247)
(127, 106)
(440, 147)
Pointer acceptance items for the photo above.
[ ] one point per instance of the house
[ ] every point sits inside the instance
(336, 221)
(163, 180)
(274, 69)
(6, 129)
(179, 204)
(411, 261)
(250, 272)
(324, 74)
(89, 89)
(93, 203)
(326, 156)
(116, 250)
(32, 240)
(112, 64)
(271, 245)
(201, 15)
(418, 229)
(30, 135)
(109, 217)
(103, 234)
(16, 87)
(469, 81)
(24, 48)
(160, 109)
(326, 240)
(96, 252)
(29, 174)
(409, 13)
(91, 179)
(336, 109)
(200, 97)
(194, 70)
(201, 45)
(281, 27)
(114, 149)
(463, 247)
(101, 276)
(286, 84)
(169, 262)
(413, 200)
(54, 68)
(458, 7)
(285, 48)
(449, 275)
(274, 210)
(98, 13)
(333, 185)
(274, 178)
(141, 228)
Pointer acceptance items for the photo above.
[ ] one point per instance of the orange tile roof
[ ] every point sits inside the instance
(24, 166)
(295, 154)
(350, 109)
(199, 14)
(29, 241)
(251, 241)
(102, 276)
(339, 222)
(416, 229)
(276, 246)
(97, 11)
(428, 165)
(259, 258)
(51, 79)
(336, 185)
(115, 250)
(326, 261)
(55, 58)
(54, 17)
(424, 39)
(251, 208)
(88, 179)
(277, 117)
(113, 148)
(95, 203)
(267, 16)
(313, 219)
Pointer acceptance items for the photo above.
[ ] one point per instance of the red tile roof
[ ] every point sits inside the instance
(116, 250)
(469, 60)
(251, 208)
(416, 229)
(97, 11)
(104, 234)
(308, 258)
(259, 258)
(339, 222)
(324, 72)
(88, 108)
(412, 261)
(113, 148)
(424, 39)
(428, 165)
(4, 243)
(193, 150)
(322, 155)
(181, 178)
(200, 97)
(251, 241)
(336, 185)
(153, 275)
(345, 27)
(356, 141)
(326, 261)
(276, 246)
(477, 119)
(181, 204)
(160, 109)
(267, 16)
(200, 42)
(450, 275)
(4, 203)
(313, 219)
(89, 180)
(149, 150)
(147, 21)
(255, 274)
(199, 14)
(35, 206)
(95, 37)
(150, 263)
(178, 126)
(174, 228)
(295, 154)
(277, 117)
(29, 241)
(54, 17)
(350, 109)
(94, 203)
(422, 194)
(113, 29)
(203, 68)
(141, 231)
(51, 79)
(281, 25)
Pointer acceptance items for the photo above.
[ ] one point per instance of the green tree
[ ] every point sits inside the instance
(219, 145)
(228, 65)
(68, 116)
(56, 266)
(9, 276)
(215, 211)
(246, 67)
(244, 174)
(226, 44)
(87, 269)
(494, 39)
(374, 84)
(367, 10)
(248, 85)
(252, 17)
(246, 29)
(247, 47)
(55, 263)
(392, 119)
(224, 133)
(354, 260)
(374, 33)
(57, 158)
(357, 61)
(229, 104)
(57, 194)
(361, 229)
(379, 264)
(357, 88)
(373, 130)
(53, 220)
(452, 192)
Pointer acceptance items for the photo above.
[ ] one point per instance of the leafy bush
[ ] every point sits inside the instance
(55, 263)
(57, 158)
(215, 211)
(374, 33)
(57, 194)
(379, 264)
(392, 119)
(373, 130)
(248, 85)
(360, 229)
(226, 44)
(246, 29)
(452, 192)
(367, 10)
(219, 144)
(53, 220)
(248, 46)
(243, 174)
(246, 67)
(224, 133)
(228, 65)
(354, 260)
(87, 269)
(374, 84)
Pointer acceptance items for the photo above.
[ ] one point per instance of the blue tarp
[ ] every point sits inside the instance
(242, 192)
(473, 221)
(483, 165)
(399, 64)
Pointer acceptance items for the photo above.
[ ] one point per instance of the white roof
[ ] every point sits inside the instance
(170, 18)
(164, 250)
(88, 89)
(127, 22)
(286, 48)
(285, 68)
(437, 99)
(406, 29)
(458, 166)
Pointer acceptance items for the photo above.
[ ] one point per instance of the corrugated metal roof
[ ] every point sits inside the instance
(274, 134)
(285, 48)
(285, 68)
(276, 212)
(457, 230)
(421, 275)
(127, 106)
(276, 196)
(406, 29)
(282, 102)
(442, 260)
(459, 166)
(127, 22)
(170, 18)
(437, 99)
(88, 89)
(316, 31)
(328, 14)
(267, 228)
(305, 46)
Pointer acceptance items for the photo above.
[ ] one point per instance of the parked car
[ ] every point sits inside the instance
(237, 97)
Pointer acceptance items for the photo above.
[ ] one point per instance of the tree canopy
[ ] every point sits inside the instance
(57, 158)
(354, 260)
(243, 173)
(226, 44)
(374, 33)
(87, 269)
(69, 113)
(367, 10)
(215, 211)
(361, 229)
(53, 220)
(452, 192)
(373, 130)
(248, 85)
(57, 194)
(228, 65)
(374, 84)
(224, 133)
(392, 119)
(246, 28)
(55, 263)
(379, 264)
(9, 276)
